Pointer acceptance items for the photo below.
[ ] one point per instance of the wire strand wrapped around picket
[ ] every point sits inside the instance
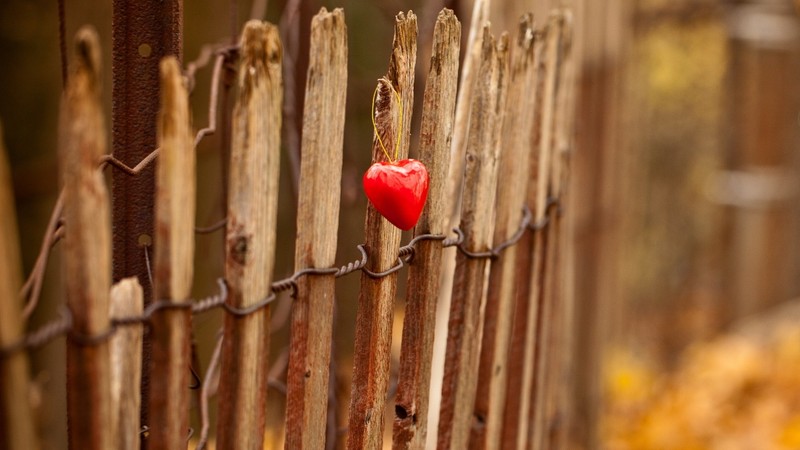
(63, 325)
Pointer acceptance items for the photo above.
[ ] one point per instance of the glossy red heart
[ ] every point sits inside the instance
(398, 190)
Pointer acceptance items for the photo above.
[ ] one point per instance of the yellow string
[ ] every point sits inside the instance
(400, 126)
(399, 130)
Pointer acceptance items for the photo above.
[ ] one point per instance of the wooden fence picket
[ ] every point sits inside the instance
(16, 419)
(127, 300)
(564, 350)
(517, 400)
(250, 238)
(514, 167)
(376, 299)
(172, 265)
(480, 181)
(87, 249)
(558, 345)
(317, 222)
(411, 403)
(537, 353)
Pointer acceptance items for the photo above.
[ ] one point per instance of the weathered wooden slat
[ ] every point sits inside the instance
(411, 403)
(172, 265)
(127, 300)
(480, 181)
(87, 249)
(535, 358)
(558, 414)
(250, 240)
(551, 340)
(466, 92)
(17, 429)
(455, 178)
(382, 239)
(514, 166)
(317, 222)
(525, 311)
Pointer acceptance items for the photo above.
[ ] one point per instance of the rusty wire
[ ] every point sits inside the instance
(31, 290)
(63, 325)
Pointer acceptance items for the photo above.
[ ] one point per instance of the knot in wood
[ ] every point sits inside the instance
(239, 248)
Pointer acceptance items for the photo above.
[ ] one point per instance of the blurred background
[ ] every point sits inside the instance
(683, 206)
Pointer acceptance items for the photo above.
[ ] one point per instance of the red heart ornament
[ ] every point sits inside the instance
(398, 190)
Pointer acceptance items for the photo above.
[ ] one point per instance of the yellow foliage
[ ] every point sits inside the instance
(729, 394)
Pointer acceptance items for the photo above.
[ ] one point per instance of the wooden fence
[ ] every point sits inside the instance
(506, 141)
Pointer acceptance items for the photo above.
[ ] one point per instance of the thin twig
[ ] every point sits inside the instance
(210, 385)
(34, 283)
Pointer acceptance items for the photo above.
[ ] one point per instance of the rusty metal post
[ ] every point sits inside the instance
(143, 32)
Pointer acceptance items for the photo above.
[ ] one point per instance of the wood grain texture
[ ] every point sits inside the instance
(317, 222)
(455, 178)
(127, 300)
(480, 182)
(250, 239)
(87, 248)
(411, 402)
(17, 429)
(498, 316)
(382, 239)
(558, 410)
(469, 77)
(517, 405)
(173, 263)
(540, 293)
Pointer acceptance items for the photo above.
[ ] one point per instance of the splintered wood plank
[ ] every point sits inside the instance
(127, 300)
(172, 265)
(373, 338)
(510, 198)
(250, 240)
(17, 429)
(480, 182)
(87, 249)
(317, 222)
(411, 403)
